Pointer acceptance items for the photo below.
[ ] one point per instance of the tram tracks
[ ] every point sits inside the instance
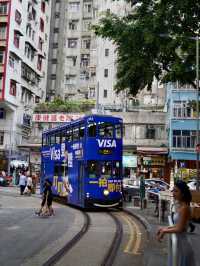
(109, 253)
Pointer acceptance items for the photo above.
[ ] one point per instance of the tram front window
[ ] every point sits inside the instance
(116, 169)
(106, 169)
(92, 169)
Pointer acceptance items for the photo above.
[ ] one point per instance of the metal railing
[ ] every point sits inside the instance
(172, 246)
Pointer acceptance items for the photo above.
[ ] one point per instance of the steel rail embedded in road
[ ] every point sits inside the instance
(69, 245)
(112, 251)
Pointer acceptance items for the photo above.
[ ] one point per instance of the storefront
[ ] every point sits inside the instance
(129, 165)
(153, 162)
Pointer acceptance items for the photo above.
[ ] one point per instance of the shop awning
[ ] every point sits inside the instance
(152, 150)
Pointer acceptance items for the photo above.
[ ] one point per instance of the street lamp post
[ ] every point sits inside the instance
(197, 103)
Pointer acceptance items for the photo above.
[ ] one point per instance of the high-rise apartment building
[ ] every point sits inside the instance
(72, 69)
(24, 40)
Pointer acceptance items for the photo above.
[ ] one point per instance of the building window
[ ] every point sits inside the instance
(40, 43)
(86, 43)
(72, 43)
(2, 113)
(73, 25)
(106, 52)
(182, 109)
(85, 60)
(150, 132)
(53, 76)
(55, 45)
(87, 7)
(57, 14)
(39, 63)
(105, 72)
(184, 139)
(1, 83)
(11, 61)
(86, 26)
(4, 8)
(105, 93)
(1, 57)
(1, 137)
(74, 7)
(16, 39)
(3, 32)
(13, 88)
(56, 30)
(18, 17)
(43, 6)
(41, 25)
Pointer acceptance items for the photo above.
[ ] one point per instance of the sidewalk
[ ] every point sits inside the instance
(156, 253)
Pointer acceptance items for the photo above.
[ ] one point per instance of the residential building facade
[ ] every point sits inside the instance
(24, 40)
(72, 69)
(182, 128)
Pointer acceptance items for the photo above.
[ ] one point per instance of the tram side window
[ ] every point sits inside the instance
(48, 140)
(62, 136)
(52, 139)
(118, 131)
(105, 130)
(44, 140)
(75, 133)
(92, 169)
(116, 169)
(92, 129)
(106, 169)
(69, 135)
(82, 131)
(57, 138)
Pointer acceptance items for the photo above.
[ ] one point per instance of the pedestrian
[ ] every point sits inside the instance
(46, 208)
(22, 182)
(185, 254)
(29, 185)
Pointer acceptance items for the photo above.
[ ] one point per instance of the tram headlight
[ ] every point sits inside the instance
(106, 192)
(87, 195)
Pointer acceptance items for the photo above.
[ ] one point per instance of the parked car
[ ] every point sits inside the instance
(130, 189)
(3, 181)
(155, 182)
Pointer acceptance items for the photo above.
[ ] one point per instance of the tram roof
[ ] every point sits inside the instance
(77, 121)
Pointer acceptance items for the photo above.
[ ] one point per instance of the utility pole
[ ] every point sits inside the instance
(197, 102)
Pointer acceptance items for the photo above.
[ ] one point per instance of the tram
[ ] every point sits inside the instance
(83, 159)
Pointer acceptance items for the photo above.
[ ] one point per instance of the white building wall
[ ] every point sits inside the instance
(28, 92)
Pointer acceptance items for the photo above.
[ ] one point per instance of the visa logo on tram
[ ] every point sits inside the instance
(107, 143)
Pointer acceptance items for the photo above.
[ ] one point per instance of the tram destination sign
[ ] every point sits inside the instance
(105, 151)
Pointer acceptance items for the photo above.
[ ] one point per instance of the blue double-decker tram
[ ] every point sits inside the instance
(83, 159)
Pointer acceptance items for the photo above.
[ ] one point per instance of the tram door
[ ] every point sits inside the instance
(80, 181)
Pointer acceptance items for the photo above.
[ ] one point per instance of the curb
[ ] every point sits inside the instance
(145, 223)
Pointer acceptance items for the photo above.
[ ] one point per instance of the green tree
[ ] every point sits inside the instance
(153, 40)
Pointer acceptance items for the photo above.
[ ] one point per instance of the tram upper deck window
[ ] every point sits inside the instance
(62, 136)
(76, 133)
(118, 131)
(68, 135)
(92, 169)
(116, 169)
(106, 169)
(82, 131)
(52, 139)
(92, 129)
(105, 130)
(57, 138)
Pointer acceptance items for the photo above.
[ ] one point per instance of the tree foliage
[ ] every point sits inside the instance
(157, 38)
(59, 105)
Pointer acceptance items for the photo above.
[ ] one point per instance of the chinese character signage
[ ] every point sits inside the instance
(55, 118)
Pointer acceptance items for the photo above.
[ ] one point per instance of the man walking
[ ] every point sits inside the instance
(22, 182)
